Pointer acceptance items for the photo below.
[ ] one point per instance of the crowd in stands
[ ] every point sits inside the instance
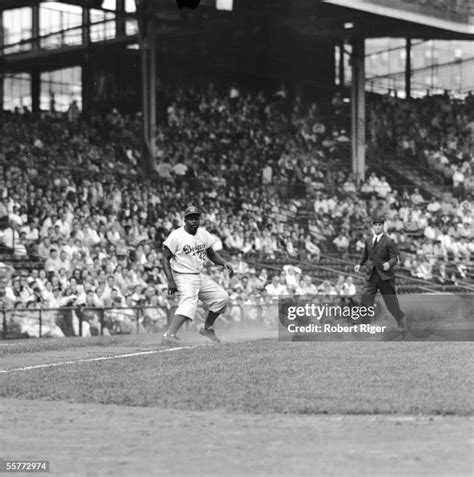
(72, 195)
(435, 132)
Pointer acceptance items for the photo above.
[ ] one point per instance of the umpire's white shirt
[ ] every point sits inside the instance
(189, 251)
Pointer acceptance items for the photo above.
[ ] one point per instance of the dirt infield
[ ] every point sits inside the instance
(91, 439)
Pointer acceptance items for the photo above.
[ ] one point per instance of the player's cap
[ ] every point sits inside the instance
(379, 219)
(192, 210)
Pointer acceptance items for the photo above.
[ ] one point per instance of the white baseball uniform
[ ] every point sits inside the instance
(189, 255)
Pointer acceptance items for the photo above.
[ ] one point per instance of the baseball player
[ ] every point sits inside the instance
(184, 253)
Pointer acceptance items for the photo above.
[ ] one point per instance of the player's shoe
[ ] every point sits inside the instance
(209, 333)
(170, 340)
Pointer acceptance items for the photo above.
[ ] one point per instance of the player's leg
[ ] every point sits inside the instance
(176, 322)
(216, 298)
(212, 317)
(188, 289)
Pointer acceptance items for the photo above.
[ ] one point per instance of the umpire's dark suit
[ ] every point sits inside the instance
(379, 279)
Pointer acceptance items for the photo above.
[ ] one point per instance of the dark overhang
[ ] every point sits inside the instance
(332, 19)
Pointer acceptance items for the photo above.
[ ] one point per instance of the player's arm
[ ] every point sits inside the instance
(218, 260)
(167, 256)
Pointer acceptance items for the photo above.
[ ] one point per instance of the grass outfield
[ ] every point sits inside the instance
(265, 376)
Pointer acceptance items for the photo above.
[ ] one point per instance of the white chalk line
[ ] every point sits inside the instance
(98, 358)
(13, 344)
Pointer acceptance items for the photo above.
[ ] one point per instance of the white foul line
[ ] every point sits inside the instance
(24, 342)
(99, 358)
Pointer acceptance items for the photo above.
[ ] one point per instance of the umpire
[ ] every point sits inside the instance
(380, 256)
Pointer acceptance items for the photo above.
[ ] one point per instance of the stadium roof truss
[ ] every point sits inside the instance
(11, 4)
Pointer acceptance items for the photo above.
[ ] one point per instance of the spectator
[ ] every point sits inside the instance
(276, 288)
(307, 287)
(15, 293)
(313, 250)
(342, 243)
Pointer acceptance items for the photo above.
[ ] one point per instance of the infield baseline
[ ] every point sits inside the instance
(99, 358)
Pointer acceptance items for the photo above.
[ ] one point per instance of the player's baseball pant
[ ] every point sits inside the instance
(192, 288)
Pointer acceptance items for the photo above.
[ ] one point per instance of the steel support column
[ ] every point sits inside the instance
(152, 83)
(408, 68)
(35, 74)
(120, 19)
(35, 90)
(341, 64)
(85, 66)
(148, 67)
(2, 76)
(358, 109)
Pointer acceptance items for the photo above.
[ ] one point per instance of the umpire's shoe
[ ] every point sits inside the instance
(209, 333)
(403, 325)
(170, 340)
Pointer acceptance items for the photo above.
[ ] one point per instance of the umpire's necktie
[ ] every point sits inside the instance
(376, 241)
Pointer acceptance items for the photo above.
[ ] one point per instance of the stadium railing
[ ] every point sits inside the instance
(24, 322)
(414, 169)
(81, 321)
(101, 30)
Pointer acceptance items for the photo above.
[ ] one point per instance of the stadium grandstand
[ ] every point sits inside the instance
(290, 124)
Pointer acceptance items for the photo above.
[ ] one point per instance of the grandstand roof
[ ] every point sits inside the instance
(456, 17)
(424, 19)
(439, 19)
(370, 18)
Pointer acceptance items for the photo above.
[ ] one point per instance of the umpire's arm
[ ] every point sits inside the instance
(167, 256)
(392, 253)
(365, 256)
(218, 260)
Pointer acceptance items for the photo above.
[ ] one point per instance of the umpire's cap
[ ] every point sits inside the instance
(379, 219)
(192, 210)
